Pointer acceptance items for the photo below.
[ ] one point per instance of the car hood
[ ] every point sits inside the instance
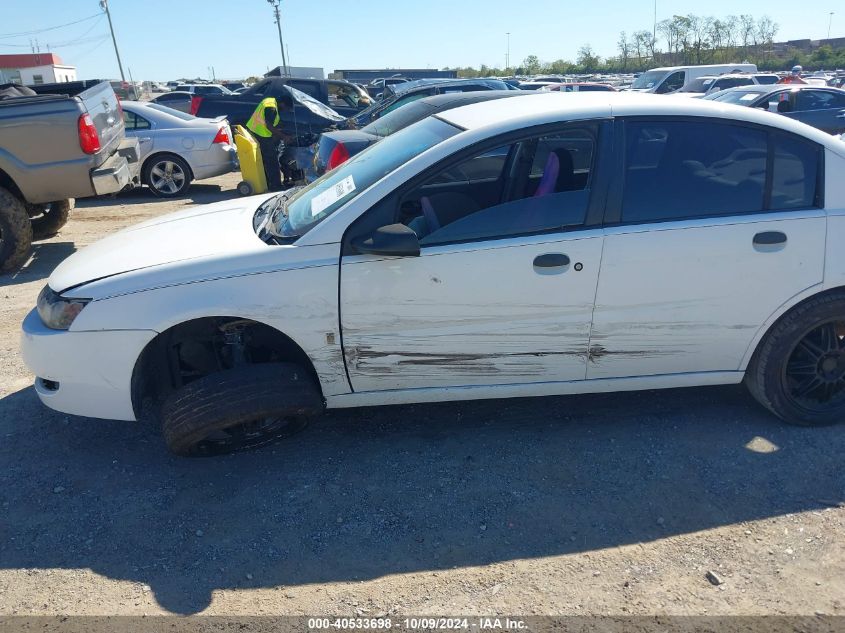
(202, 232)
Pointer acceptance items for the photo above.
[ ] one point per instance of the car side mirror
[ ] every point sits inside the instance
(394, 239)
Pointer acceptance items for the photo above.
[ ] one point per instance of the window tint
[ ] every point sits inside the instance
(685, 169)
(794, 174)
(673, 82)
(134, 122)
(818, 100)
(486, 166)
(309, 88)
(535, 185)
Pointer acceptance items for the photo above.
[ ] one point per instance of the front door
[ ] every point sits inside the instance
(503, 290)
(706, 247)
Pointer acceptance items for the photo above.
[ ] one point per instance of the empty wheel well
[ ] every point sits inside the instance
(148, 161)
(200, 347)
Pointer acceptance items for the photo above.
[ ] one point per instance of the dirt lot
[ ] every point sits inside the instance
(605, 504)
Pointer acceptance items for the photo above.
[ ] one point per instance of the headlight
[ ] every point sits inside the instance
(57, 312)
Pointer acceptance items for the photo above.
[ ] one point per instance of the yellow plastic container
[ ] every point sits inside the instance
(252, 168)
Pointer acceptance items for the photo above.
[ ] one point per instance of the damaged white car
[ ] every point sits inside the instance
(538, 245)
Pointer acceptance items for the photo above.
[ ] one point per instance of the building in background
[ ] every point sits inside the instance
(366, 76)
(35, 68)
(299, 72)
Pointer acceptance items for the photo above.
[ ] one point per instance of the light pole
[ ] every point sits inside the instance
(829, 22)
(275, 5)
(104, 5)
(508, 52)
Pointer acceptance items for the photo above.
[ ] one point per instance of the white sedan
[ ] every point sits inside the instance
(177, 148)
(545, 244)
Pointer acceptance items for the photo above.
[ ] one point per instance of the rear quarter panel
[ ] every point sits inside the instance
(835, 206)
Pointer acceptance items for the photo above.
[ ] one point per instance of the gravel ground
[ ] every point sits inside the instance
(603, 504)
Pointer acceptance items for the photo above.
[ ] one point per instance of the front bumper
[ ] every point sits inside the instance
(119, 170)
(83, 373)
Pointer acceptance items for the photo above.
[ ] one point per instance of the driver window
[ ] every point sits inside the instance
(673, 82)
(535, 185)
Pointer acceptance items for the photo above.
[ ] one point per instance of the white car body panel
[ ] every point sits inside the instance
(469, 314)
(209, 262)
(222, 228)
(685, 296)
(94, 369)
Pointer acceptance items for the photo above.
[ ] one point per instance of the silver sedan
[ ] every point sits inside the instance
(177, 148)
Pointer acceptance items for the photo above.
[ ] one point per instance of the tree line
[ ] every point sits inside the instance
(681, 40)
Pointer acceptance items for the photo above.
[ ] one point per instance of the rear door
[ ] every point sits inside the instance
(718, 225)
(823, 109)
(137, 126)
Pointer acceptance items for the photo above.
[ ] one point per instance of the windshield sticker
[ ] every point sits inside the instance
(331, 195)
(748, 97)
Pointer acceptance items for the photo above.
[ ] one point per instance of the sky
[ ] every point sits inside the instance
(169, 39)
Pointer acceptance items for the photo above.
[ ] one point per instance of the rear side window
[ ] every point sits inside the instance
(819, 100)
(795, 173)
(134, 122)
(687, 169)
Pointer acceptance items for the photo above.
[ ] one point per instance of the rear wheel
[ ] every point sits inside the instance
(239, 409)
(244, 188)
(798, 372)
(48, 219)
(15, 232)
(167, 175)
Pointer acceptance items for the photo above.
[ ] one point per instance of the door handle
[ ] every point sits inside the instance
(769, 238)
(144, 139)
(551, 260)
(769, 241)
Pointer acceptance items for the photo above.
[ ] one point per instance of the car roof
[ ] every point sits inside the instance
(442, 81)
(552, 107)
(472, 96)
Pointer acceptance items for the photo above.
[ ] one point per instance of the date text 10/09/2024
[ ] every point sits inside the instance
(423, 623)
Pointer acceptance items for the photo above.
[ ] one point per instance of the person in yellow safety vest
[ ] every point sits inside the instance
(266, 126)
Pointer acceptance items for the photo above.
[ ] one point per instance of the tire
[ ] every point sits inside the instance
(48, 219)
(244, 188)
(798, 370)
(15, 232)
(167, 175)
(239, 409)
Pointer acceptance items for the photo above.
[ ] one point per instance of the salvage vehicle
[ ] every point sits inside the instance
(711, 84)
(204, 89)
(55, 148)
(615, 243)
(582, 86)
(672, 78)
(177, 100)
(398, 95)
(335, 148)
(342, 97)
(178, 148)
(821, 107)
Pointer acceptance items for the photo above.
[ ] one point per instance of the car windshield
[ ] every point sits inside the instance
(290, 218)
(702, 84)
(740, 97)
(398, 119)
(177, 113)
(649, 80)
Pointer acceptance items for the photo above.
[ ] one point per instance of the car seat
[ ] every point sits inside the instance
(558, 173)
